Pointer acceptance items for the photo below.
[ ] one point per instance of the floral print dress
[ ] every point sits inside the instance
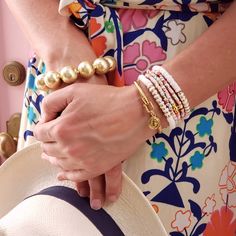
(188, 173)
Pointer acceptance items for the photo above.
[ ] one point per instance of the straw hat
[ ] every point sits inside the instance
(34, 203)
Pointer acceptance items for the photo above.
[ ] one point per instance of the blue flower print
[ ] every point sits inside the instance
(159, 151)
(31, 115)
(204, 126)
(197, 160)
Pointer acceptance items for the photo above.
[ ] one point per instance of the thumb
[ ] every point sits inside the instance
(54, 103)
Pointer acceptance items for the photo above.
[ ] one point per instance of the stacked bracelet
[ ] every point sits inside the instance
(69, 74)
(158, 98)
(167, 94)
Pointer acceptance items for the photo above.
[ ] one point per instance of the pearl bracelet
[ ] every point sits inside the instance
(69, 74)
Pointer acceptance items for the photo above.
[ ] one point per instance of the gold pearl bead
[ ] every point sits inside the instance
(86, 70)
(101, 66)
(111, 61)
(40, 84)
(68, 74)
(52, 80)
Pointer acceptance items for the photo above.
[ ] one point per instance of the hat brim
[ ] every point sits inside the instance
(26, 173)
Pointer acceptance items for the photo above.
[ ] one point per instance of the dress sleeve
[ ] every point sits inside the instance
(63, 7)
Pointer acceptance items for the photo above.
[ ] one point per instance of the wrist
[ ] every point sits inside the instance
(139, 114)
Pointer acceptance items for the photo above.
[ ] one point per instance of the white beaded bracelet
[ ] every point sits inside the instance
(160, 70)
(169, 78)
(164, 93)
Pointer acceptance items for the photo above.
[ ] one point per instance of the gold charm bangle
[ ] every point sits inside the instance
(154, 122)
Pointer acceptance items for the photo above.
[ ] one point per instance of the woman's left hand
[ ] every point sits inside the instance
(106, 187)
(98, 127)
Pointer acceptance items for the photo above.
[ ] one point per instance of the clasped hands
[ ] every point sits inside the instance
(99, 126)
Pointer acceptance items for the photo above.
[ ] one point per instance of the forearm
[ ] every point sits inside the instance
(51, 34)
(209, 64)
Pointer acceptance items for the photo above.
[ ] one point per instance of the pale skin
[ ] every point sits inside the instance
(100, 125)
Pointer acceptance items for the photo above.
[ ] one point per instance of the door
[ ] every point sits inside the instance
(13, 47)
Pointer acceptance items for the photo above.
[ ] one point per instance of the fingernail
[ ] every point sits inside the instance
(96, 204)
(112, 198)
(83, 192)
(61, 177)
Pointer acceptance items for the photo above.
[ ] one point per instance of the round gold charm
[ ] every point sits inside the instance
(52, 80)
(86, 70)
(154, 123)
(68, 74)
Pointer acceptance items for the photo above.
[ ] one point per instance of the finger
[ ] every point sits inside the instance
(113, 179)
(83, 188)
(55, 103)
(97, 192)
(52, 149)
(44, 132)
(63, 163)
(51, 131)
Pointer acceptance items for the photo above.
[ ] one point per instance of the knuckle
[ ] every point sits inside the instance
(36, 132)
(45, 104)
(58, 132)
(88, 164)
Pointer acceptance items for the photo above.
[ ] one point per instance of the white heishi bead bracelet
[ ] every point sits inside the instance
(151, 88)
(169, 78)
(160, 86)
(160, 70)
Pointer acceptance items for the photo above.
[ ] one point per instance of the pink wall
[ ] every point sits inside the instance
(13, 47)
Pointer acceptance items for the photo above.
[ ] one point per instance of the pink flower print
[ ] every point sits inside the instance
(135, 18)
(138, 58)
(226, 97)
(182, 220)
(209, 205)
(227, 184)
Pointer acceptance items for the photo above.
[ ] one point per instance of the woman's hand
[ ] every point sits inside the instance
(106, 187)
(98, 127)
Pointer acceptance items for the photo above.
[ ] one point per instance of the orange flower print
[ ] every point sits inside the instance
(75, 8)
(94, 26)
(182, 220)
(227, 184)
(209, 205)
(99, 45)
(98, 42)
(222, 223)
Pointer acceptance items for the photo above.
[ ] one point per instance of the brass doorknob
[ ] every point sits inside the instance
(14, 73)
(7, 145)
